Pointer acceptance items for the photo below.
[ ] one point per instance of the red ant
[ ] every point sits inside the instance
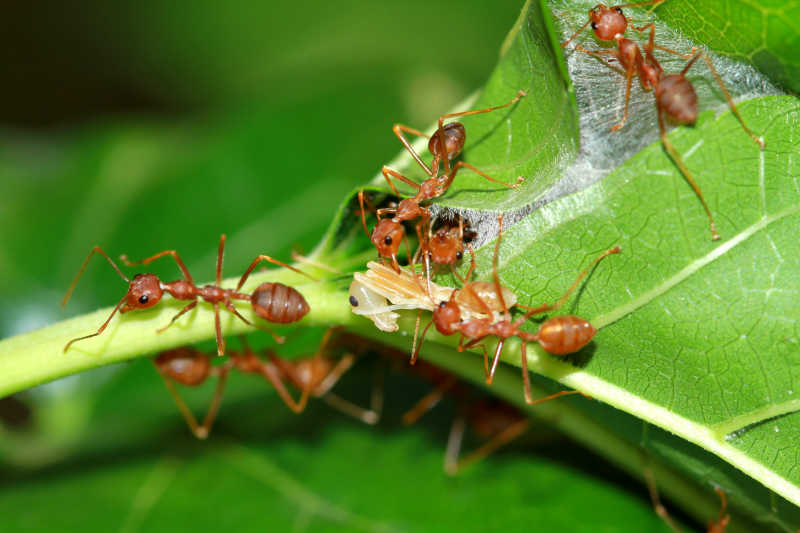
(716, 526)
(314, 376)
(674, 94)
(559, 335)
(274, 302)
(388, 233)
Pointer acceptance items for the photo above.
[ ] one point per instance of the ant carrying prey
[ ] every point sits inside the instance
(274, 302)
(560, 335)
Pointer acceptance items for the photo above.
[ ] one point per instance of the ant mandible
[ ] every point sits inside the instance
(559, 335)
(314, 376)
(674, 93)
(274, 302)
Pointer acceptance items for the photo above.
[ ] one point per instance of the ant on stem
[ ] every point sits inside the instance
(674, 94)
(274, 302)
(560, 335)
(314, 376)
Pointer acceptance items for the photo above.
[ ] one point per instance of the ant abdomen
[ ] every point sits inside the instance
(455, 135)
(562, 335)
(184, 365)
(276, 302)
(677, 96)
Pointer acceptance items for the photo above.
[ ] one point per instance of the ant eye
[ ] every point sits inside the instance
(459, 255)
(594, 25)
(442, 304)
(387, 241)
(143, 299)
(353, 301)
(619, 10)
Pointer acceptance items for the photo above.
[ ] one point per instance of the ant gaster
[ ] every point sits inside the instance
(274, 302)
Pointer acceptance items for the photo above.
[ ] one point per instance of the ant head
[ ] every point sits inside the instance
(445, 246)
(446, 317)
(607, 22)
(387, 236)
(454, 138)
(144, 291)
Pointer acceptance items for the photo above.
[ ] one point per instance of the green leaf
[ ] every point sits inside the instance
(265, 467)
(764, 34)
(657, 301)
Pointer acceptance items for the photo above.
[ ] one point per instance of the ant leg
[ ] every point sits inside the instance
(213, 409)
(148, 260)
(416, 334)
(429, 401)
(460, 164)
(415, 353)
(697, 52)
(218, 325)
(262, 257)
(496, 360)
(300, 258)
(558, 303)
(199, 431)
(440, 130)
(398, 130)
(454, 440)
(659, 508)
(369, 416)
(520, 94)
(100, 330)
(219, 258)
(363, 216)
(83, 267)
(684, 170)
(272, 373)
(388, 173)
(580, 30)
(278, 338)
(501, 439)
(628, 79)
(723, 519)
(497, 287)
(425, 257)
(474, 344)
(186, 309)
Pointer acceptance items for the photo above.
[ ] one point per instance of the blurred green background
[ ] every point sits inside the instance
(147, 126)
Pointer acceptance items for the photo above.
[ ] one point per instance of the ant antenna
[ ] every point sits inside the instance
(83, 267)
